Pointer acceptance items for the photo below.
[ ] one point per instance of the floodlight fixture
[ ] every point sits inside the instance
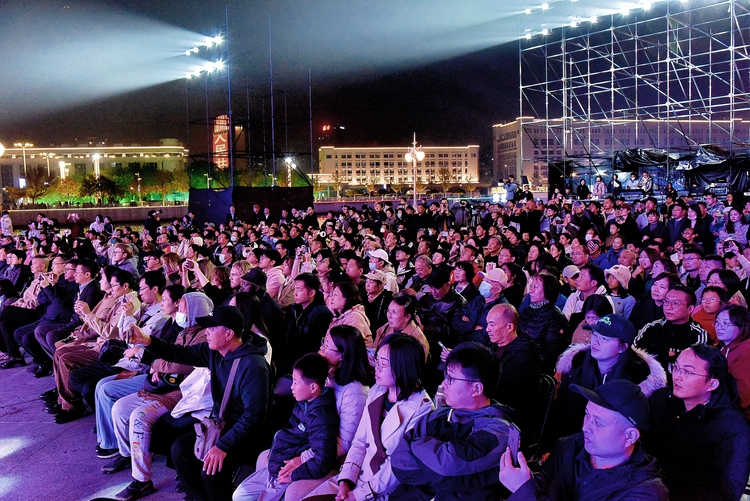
(527, 11)
(545, 6)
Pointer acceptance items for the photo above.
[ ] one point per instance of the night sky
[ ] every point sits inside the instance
(83, 69)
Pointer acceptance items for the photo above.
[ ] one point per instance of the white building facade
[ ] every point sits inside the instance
(359, 166)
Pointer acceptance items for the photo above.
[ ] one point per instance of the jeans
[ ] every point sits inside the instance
(109, 391)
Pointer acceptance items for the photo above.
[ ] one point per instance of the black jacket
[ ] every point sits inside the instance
(548, 327)
(520, 370)
(703, 452)
(666, 340)
(313, 426)
(645, 311)
(246, 410)
(568, 475)
(376, 311)
(305, 329)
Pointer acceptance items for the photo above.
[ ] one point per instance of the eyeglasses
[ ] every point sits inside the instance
(670, 303)
(679, 371)
(449, 379)
(710, 299)
(327, 347)
(379, 363)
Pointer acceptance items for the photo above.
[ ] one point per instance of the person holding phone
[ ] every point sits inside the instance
(454, 451)
(616, 414)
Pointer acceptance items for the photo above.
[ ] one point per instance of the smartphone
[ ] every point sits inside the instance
(514, 440)
(442, 345)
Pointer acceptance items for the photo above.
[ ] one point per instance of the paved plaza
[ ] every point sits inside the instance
(41, 460)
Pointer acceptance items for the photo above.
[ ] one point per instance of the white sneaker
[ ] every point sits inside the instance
(4, 357)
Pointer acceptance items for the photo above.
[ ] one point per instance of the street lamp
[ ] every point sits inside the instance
(46, 156)
(208, 181)
(140, 199)
(23, 147)
(414, 155)
(289, 166)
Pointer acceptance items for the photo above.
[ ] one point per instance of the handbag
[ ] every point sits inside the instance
(112, 351)
(208, 430)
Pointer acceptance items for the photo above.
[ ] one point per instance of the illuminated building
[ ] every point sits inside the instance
(84, 159)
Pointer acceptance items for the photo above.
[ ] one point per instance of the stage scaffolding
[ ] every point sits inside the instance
(669, 76)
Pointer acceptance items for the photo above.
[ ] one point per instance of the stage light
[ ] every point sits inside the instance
(527, 11)
(545, 6)
(545, 32)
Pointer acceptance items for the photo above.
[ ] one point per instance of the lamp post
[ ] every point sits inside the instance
(208, 181)
(140, 199)
(46, 156)
(414, 155)
(23, 147)
(2, 149)
(289, 166)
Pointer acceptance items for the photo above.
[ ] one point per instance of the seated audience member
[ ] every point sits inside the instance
(543, 322)
(606, 461)
(618, 278)
(454, 451)
(666, 338)
(346, 306)
(594, 308)
(698, 432)
(470, 321)
(393, 407)
(733, 334)
(377, 299)
(651, 308)
(349, 376)
(246, 407)
(402, 319)
(608, 356)
(305, 448)
(712, 301)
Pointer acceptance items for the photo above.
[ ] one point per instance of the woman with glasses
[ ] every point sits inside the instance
(394, 405)
(733, 333)
(730, 282)
(609, 355)
(350, 376)
(712, 301)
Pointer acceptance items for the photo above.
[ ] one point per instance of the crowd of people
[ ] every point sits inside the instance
(395, 351)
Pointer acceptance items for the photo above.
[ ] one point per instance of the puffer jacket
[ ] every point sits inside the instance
(577, 366)
(356, 317)
(548, 327)
(313, 427)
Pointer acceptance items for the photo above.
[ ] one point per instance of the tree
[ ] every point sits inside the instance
(101, 188)
(421, 184)
(37, 183)
(472, 182)
(445, 178)
(338, 181)
(67, 188)
(162, 181)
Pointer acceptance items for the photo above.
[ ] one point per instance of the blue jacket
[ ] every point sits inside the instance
(313, 427)
(452, 454)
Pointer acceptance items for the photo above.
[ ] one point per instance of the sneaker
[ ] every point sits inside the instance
(106, 453)
(4, 357)
(119, 464)
(136, 490)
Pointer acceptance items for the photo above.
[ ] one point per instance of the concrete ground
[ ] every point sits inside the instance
(41, 460)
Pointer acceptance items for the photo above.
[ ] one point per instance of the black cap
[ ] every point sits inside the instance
(226, 316)
(256, 276)
(614, 325)
(621, 396)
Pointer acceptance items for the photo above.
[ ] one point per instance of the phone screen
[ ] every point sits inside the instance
(514, 439)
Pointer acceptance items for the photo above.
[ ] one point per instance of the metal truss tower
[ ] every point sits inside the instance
(669, 75)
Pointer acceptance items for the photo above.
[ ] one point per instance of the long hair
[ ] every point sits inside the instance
(407, 363)
(354, 364)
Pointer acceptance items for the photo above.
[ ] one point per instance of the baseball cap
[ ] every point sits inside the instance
(497, 275)
(226, 316)
(256, 276)
(621, 396)
(376, 275)
(438, 278)
(616, 326)
(621, 273)
(380, 254)
(571, 271)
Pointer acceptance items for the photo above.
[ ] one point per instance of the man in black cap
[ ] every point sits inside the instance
(438, 307)
(245, 410)
(606, 461)
(254, 282)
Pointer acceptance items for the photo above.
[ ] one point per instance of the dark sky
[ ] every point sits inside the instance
(78, 69)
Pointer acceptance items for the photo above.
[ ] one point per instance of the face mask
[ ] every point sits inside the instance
(222, 258)
(373, 267)
(233, 239)
(181, 319)
(485, 289)
(399, 215)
